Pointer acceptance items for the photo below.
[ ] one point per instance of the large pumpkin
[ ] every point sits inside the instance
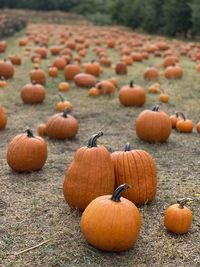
(70, 71)
(90, 175)
(62, 126)
(6, 69)
(85, 80)
(27, 152)
(138, 169)
(33, 93)
(111, 222)
(153, 125)
(132, 95)
(178, 218)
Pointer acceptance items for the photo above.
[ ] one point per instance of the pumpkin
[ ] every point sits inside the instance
(151, 74)
(174, 118)
(153, 125)
(121, 68)
(138, 169)
(94, 91)
(111, 222)
(170, 61)
(178, 218)
(3, 118)
(70, 71)
(41, 129)
(164, 98)
(90, 175)
(132, 95)
(52, 71)
(42, 51)
(92, 68)
(63, 104)
(63, 87)
(197, 126)
(6, 69)
(59, 63)
(3, 83)
(33, 93)
(184, 125)
(3, 46)
(85, 80)
(173, 72)
(154, 89)
(26, 152)
(38, 76)
(114, 81)
(106, 87)
(23, 41)
(62, 126)
(16, 60)
(55, 50)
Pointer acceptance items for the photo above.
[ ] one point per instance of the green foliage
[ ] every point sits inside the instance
(195, 7)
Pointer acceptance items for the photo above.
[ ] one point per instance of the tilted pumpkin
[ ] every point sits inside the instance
(178, 218)
(62, 126)
(132, 95)
(27, 152)
(90, 175)
(153, 125)
(184, 125)
(3, 118)
(111, 222)
(63, 104)
(138, 169)
(33, 93)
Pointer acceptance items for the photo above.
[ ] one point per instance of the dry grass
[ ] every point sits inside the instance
(32, 207)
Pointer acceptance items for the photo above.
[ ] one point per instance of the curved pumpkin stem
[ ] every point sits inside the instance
(156, 108)
(29, 133)
(127, 147)
(93, 140)
(182, 115)
(117, 194)
(61, 97)
(65, 112)
(131, 84)
(183, 201)
(176, 113)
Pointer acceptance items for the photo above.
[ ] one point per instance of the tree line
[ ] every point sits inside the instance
(171, 17)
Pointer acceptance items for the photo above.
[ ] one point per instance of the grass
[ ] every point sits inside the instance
(32, 207)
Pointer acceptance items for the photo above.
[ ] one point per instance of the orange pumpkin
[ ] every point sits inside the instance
(70, 71)
(106, 87)
(37, 75)
(85, 80)
(3, 118)
(41, 129)
(33, 93)
(121, 68)
(52, 71)
(94, 92)
(184, 125)
(173, 72)
(174, 118)
(92, 68)
(63, 87)
(151, 74)
(63, 104)
(6, 69)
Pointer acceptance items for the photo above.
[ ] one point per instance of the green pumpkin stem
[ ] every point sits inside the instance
(29, 133)
(65, 112)
(93, 140)
(117, 194)
(156, 108)
(183, 201)
(127, 147)
(61, 97)
(131, 84)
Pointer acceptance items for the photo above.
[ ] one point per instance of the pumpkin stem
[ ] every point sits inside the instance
(132, 84)
(33, 82)
(183, 201)
(93, 140)
(156, 108)
(176, 113)
(29, 133)
(182, 115)
(117, 194)
(65, 112)
(61, 97)
(127, 147)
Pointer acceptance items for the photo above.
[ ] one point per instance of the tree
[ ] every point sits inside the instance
(195, 18)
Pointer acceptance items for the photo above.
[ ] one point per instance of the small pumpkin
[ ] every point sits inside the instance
(94, 92)
(85, 80)
(197, 126)
(151, 74)
(3, 46)
(164, 98)
(106, 87)
(121, 68)
(92, 68)
(59, 63)
(184, 125)
(111, 222)
(90, 175)
(3, 83)
(52, 71)
(33, 93)
(173, 72)
(16, 60)
(27, 152)
(154, 89)
(38, 76)
(174, 118)
(41, 129)
(63, 104)
(3, 118)
(138, 169)
(132, 95)
(153, 125)
(62, 126)
(6, 69)
(63, 87)
(178, 218)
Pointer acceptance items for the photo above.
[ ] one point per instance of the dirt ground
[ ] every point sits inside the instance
(32, 206)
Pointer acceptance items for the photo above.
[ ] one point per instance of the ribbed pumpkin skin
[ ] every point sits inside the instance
(70, 71)
(178, 220)
(184, 126)
(6, 69)
(137, 168)
(3, 118)
(38, 76)
(90, 175)
(85, 80)
(33, 93)
(62, 128)
(132, 96)
(151, 74)
(26, 154)
(93, 69)
(111, 226)
(153, 126)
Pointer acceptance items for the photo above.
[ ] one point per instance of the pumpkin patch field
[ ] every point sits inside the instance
(100, 148)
